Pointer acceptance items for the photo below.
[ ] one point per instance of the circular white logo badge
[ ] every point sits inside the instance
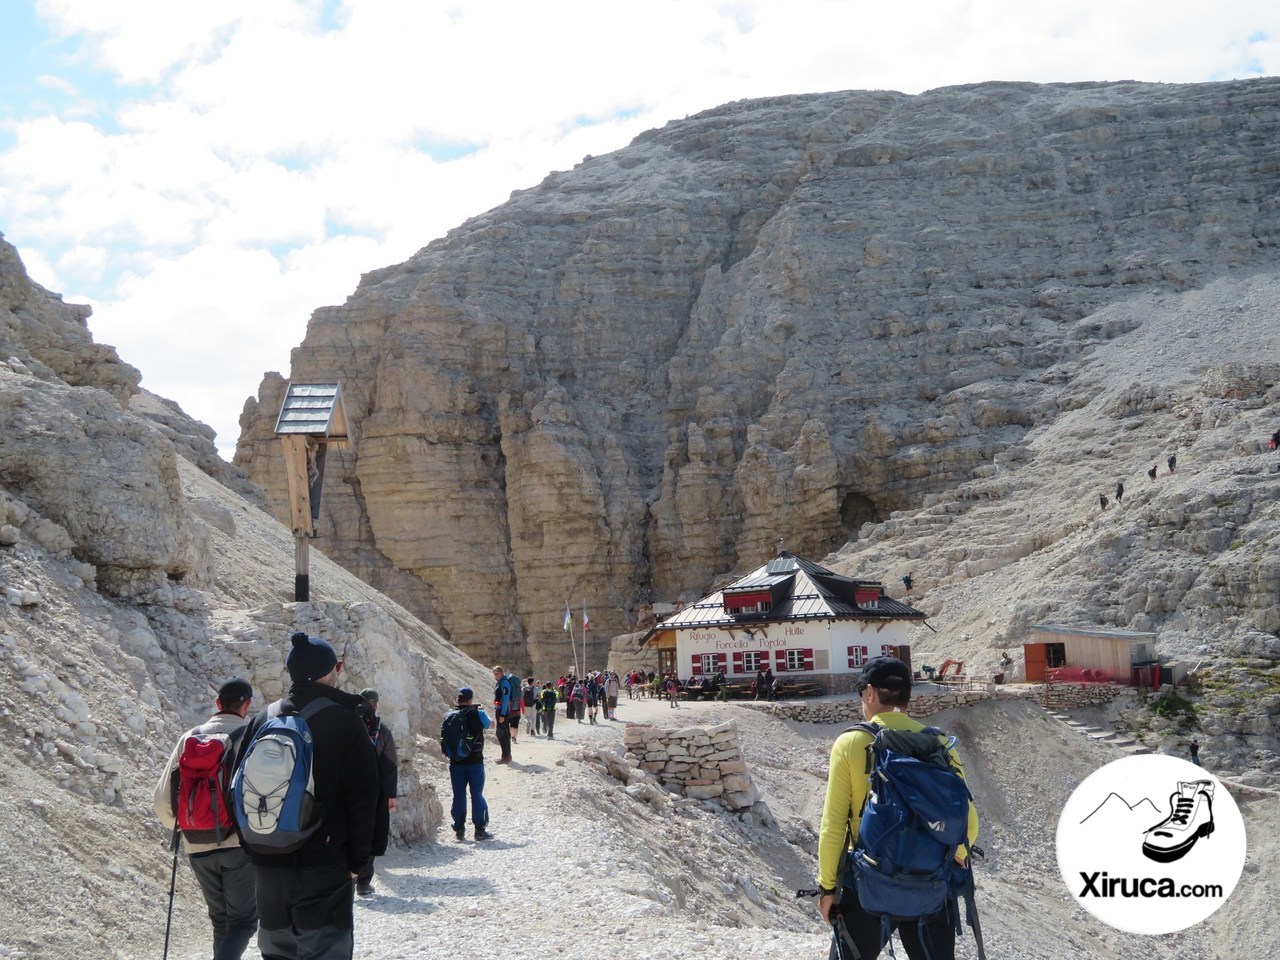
(1151, 844)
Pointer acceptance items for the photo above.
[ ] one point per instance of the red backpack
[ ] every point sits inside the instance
(201, 787)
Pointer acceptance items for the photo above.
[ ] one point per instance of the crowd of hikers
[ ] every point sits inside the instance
(281, 813)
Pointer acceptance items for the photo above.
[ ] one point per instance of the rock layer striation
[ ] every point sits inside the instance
(779, 318)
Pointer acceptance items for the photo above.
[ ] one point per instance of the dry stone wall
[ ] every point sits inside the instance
(697, 762)
(784, 317)
(1064, 696)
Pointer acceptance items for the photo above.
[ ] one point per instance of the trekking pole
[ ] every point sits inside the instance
(173, 877)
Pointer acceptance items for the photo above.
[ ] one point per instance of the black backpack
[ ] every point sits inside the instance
(454, 740)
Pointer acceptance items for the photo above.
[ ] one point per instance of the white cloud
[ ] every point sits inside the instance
(260, 160)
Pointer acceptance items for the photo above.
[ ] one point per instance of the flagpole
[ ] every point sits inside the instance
(568, 622)
(576, 671)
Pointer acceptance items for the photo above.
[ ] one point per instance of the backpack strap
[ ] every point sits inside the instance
(866, 726)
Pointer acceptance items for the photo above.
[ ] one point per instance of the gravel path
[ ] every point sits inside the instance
(577, 867)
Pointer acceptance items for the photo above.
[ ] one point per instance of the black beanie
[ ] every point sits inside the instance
(310, 658)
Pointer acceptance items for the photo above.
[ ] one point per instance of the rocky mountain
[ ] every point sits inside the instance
(136, 575)
(789, 318)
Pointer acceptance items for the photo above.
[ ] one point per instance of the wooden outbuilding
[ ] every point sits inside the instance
(1060, 652)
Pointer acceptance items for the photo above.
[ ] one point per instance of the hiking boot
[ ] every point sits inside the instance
(503, 760)
(1190, 818)
(364, 889)
(483, 834)
(460, 832)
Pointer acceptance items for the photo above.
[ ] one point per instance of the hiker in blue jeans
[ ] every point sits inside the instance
(467, 774)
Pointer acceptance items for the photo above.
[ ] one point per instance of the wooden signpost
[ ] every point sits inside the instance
(311, 419)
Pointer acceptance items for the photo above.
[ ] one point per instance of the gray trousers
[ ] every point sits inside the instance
(227, 880)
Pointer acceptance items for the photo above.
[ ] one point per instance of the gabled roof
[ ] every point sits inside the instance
(803, 590)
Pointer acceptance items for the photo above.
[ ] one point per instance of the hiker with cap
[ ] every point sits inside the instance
(306, 896)
(195, 780)
(885, 690)
(384, 745)
(462, 741)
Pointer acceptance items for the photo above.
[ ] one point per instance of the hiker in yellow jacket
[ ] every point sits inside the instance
(885, 689)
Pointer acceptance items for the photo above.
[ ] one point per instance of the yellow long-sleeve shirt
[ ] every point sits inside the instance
(847, 787)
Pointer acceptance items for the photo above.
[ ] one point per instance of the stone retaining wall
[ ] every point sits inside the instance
(1061, 696)
(704, 763)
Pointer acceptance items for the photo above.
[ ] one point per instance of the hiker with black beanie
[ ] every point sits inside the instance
(306, 898)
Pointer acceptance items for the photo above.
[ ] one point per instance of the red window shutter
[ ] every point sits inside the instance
(780, 661)
(697, 664)
(738, 663)
(808, 659)
(721, 660)
(853, 656)
(864, 653)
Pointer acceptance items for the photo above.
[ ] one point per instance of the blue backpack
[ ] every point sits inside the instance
(273, 788)
(915, 820)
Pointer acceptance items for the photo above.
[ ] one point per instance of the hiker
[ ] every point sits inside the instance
(505, 707)
(611, 697)
(673, 690)
(1152, 472)
(462, 740)
(384, 746)
(885, 690)
(1119, 491)
(306, 897)
(547, 708)
(1173, 462)
(1275, 440)
(907, 582)
(529, 698)
(593, 698)
(770, 687)
(578, 701)
(1102, 499)
(1194, 747)
(220, 864)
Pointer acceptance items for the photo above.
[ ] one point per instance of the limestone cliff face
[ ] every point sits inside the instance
(779, 318)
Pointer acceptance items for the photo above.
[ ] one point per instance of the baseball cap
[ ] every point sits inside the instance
(886, 673)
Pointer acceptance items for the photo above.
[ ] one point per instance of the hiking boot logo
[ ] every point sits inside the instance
(1190, 818)
(1126, 854)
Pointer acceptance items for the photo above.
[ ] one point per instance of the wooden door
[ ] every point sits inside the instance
(1036, 658)
(667, 662)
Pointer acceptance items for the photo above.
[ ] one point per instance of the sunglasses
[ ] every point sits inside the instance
(862, 687)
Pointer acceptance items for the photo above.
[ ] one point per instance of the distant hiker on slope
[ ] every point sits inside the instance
(193, 794)
(1119, 491)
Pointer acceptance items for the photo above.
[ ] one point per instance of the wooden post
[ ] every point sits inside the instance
(295, 468)
(302, 572)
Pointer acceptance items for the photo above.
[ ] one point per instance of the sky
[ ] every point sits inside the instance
(205, 175)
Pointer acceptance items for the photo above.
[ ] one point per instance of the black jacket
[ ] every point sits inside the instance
(345, 771)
